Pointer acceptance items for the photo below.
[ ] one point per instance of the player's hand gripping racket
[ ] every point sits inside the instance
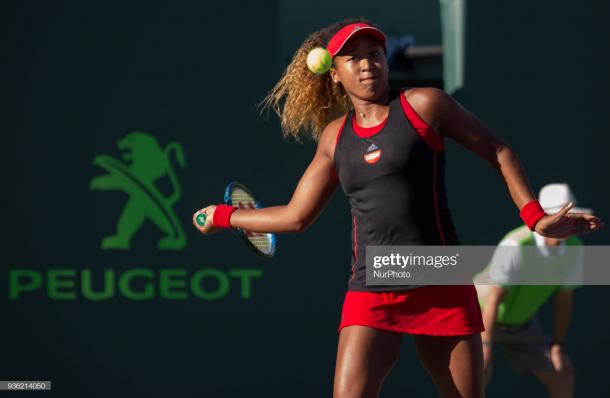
(236, 194)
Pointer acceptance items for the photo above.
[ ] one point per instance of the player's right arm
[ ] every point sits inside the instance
(490, 314)
(313, 191)
(564, 303)
(490, 311)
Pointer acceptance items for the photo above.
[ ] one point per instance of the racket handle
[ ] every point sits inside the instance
(200, 219)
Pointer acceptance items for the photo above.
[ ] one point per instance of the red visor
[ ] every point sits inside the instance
(336, 43)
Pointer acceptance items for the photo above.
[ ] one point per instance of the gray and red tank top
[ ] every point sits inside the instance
(394, 177)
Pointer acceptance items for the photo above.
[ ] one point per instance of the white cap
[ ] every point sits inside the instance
(554, 196)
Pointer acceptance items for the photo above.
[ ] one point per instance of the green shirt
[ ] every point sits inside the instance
(521, 302)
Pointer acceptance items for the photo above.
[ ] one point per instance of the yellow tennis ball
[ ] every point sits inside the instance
(319, 60)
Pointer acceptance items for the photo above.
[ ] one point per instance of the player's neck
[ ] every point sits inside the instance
(371, 113)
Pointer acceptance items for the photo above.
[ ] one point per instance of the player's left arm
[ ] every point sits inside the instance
(451, 120)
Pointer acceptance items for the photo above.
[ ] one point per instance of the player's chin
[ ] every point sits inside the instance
(373, 89)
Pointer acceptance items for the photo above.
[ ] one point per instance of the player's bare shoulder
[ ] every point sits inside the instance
(426, 97)
(429, 103)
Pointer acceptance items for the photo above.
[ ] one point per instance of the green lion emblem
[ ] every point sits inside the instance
(144, 163)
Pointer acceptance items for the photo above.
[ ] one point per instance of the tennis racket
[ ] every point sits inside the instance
(236, 194)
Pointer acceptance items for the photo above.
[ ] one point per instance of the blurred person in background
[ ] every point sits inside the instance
(510, 310)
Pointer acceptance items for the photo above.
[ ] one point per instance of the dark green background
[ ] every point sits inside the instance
(79, 76)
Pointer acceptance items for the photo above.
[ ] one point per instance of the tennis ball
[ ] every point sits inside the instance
(319, 60)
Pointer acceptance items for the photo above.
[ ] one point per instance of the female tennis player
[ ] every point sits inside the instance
(388, 155)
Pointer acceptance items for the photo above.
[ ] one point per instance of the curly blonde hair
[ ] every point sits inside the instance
(305, 102)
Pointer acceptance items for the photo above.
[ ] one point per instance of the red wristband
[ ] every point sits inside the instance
(222, 216)
(531, 213)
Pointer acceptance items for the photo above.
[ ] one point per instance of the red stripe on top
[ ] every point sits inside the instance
(355, 249)
(423, 129)
(368, 132)
(438, 217)
(339, 134)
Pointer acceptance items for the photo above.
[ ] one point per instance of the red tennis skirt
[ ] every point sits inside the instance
(431, 310)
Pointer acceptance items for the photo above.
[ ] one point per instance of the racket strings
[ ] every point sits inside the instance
(243, 200)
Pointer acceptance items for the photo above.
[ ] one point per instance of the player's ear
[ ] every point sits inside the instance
(334, 75)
